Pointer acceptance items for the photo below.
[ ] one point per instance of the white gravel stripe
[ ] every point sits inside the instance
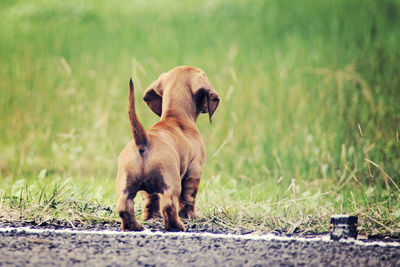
(265, 237)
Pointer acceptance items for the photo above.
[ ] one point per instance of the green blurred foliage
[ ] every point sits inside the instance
(306, 87)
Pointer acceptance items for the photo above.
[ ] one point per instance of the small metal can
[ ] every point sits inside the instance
(343, 226)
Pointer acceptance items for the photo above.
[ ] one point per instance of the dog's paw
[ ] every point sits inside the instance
(188, 214)
(132, 227)
(183, 214)
(176, 226)
(193, 216)
(129, 224)
(154, 215)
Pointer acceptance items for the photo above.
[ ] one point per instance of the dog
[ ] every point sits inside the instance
(165, 162)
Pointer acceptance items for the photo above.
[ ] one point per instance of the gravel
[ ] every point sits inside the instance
(20, 248)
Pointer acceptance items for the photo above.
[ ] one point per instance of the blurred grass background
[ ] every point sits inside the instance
(308, 124)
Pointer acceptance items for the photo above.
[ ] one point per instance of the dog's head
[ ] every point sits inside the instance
(183, 82)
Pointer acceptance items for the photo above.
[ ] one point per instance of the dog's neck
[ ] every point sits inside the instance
(179, 104)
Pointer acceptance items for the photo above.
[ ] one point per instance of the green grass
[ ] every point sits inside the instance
(308, 125)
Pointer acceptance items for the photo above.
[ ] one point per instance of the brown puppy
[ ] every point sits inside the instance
(165, 162)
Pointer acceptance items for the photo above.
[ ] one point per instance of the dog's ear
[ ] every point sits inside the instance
(206, 97)
(153, 96)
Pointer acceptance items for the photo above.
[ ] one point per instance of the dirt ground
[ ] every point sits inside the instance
(19, 248)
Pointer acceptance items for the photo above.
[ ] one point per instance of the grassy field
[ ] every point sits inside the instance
(308, 124)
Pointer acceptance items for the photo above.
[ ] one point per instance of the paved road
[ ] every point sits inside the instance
(110, 248)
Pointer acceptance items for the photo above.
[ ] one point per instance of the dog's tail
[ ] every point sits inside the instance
(138, 132)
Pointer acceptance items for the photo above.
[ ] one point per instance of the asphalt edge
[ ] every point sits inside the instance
(264, 237)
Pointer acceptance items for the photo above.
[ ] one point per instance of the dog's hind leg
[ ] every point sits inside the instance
(125, 205)
(169, 206)
(125, 209)
(190, 186)
(151, 205)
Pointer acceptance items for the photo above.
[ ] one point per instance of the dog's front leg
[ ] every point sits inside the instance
(126, 210)
(151, 205)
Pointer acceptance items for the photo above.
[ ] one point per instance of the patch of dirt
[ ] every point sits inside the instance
(204, 225)
(200, 225)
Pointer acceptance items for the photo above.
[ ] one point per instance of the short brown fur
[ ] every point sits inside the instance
(165, 162)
